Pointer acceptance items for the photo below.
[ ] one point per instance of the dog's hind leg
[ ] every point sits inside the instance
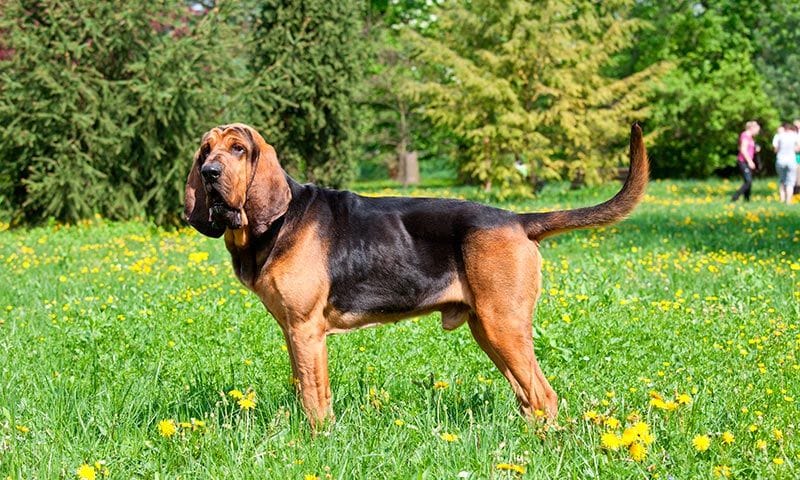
(511, 350)
(502, 268)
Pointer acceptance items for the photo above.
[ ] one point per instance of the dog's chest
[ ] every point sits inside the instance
(292, 283)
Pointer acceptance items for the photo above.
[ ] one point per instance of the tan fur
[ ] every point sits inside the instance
(295, 290)
(504, 270)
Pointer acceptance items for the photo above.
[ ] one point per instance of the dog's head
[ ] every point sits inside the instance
(235, 183)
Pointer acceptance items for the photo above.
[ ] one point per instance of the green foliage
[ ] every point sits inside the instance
(703, 103)
(776, 34)
(395, 123)
(307, 59)
(102, 105)
(521, 82)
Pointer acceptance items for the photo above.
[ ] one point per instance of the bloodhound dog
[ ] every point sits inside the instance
(327, 261)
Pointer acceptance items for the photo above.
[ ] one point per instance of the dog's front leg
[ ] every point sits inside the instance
(309, 352)
(294, 380)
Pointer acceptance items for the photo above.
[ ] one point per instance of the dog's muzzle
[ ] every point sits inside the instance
(222, 215)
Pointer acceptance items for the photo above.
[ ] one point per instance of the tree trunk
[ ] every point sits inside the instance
(409, 168)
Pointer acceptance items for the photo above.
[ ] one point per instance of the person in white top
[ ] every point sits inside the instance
(787, 144)
(797, 182)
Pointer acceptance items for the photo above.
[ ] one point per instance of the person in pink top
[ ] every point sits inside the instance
(747, 152)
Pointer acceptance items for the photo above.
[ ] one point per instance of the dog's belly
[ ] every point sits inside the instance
(454, 301)
(389, 294)
(453, 316)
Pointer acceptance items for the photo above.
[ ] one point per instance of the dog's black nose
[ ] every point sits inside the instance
(211, 171)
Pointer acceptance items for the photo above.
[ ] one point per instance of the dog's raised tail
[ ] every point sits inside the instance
(545, 224)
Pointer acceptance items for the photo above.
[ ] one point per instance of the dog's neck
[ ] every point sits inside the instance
(242, 239)
(248, 252)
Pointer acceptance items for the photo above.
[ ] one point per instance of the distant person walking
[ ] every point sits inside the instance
(745, 159)
(786, 146)
(797, 182)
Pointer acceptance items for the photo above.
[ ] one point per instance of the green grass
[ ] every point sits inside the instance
(106, 329)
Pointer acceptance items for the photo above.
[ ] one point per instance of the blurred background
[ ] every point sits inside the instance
(102, 104)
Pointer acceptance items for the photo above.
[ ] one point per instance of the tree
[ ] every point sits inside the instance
(713, 89)
(395, 130)
(525, 83)
(102, 105)
(307, 60)
(776, 36)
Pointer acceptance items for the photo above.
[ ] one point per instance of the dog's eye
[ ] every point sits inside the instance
(237, 149)
(204, 151)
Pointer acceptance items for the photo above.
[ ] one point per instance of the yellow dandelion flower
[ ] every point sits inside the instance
(512, 467)
(640, 428)
(591, 415)
(654, 394)
(198, 257)
(236, 394)
(440, 385)
(22, 429)
(311, 477)
(684, 399)
(761, 444)
(247, 403)
(86, 472)
(538, 413)
(723, 471)
(777, 461)
(637, 451)
(628, 436)
(752, 428)
(610, 441)
(399, 422)
(777, 434)
(728, 438)
(448, 437)
(167, 428)
(662, 405)
(701, 443)
(612, 423)
(100, 466)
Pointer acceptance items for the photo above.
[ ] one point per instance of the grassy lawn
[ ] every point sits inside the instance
(680, 323)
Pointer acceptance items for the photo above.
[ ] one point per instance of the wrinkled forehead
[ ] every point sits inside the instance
(225, 134)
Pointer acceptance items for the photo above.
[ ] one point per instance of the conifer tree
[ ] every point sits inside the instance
(527, 83)
(308, 59)
(102, 105)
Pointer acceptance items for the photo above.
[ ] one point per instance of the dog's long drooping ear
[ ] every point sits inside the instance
(268, 194)
(195, 207)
